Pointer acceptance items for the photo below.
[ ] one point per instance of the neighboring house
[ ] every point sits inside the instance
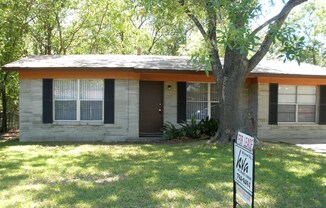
(119, 97)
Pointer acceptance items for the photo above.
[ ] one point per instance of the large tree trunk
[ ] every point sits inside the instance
(230, 85)
(229, 106)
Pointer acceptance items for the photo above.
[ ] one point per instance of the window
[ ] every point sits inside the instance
(296, 103)
(202, 100)
(76, 100)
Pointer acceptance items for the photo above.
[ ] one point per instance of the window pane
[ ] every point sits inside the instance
(197, 92)
(308, 90)
(286, 89)
(65, 110)
(307, 99)
(214, 94)
(199, 109)
(91, 110)
(65, 89)
(214, 111)
(286, 113)
(286, 98)
(306, 113)
(91, 89)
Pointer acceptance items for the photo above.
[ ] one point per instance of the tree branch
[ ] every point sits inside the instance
(270, 36)
(210, 37)
(60, 31)
(264, 25)
(212, 21)
(194, 20)
(78, 28)
(100, 27)
(156, 37)
(297, 2)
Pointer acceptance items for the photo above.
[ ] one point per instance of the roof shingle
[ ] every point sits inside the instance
(144, 62)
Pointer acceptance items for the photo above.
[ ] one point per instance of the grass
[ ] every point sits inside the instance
(191, 174)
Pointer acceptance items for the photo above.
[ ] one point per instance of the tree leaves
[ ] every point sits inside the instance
(308, 22)
(291, 45)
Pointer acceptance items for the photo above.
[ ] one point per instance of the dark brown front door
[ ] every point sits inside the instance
(150, 108)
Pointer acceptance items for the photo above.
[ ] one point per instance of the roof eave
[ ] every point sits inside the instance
(253, 75)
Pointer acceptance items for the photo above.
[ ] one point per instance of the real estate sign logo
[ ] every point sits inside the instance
(243, 169)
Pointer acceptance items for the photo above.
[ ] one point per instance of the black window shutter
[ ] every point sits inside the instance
(273, 101)
(109, 101)
(181, 101)
(322, 105)
(47, 101)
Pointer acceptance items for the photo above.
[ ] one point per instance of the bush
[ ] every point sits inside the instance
(208, 126)
(170, 131)
(193, 130)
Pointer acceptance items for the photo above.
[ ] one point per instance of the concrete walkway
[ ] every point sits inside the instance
(317, 145)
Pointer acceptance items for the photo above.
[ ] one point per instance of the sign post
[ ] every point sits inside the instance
(243, 169)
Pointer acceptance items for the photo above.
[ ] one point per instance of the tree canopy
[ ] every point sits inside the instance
(307, 22)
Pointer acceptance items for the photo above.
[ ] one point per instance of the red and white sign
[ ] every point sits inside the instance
(245, 141)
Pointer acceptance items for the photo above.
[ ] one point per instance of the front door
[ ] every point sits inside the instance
(150, 108)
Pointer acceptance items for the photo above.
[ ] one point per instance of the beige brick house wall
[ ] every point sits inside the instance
(282, 130)
(126, 116)
(255, 100)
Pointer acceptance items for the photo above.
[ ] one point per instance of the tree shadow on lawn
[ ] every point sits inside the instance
(288, 176)
(154, 177)
(179, 175)
(137, 176)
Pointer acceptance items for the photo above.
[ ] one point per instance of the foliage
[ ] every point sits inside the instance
(208, 126)
(104, 27)
(291, 45)
(308, 22)
(193, 129)
(170, 131)
(161, 175)
(13, 17)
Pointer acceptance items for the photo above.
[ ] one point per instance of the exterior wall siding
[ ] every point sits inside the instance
(126, 116)
(283, 131)
(255, 100)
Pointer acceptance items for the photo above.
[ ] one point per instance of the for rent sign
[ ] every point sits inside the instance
(243, 168)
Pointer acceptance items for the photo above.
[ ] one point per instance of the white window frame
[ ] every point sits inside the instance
(297, 104)
(78, 101)
(209, 100)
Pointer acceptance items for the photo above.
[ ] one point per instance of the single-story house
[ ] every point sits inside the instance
(119, 97)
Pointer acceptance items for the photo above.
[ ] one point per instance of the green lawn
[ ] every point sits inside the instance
(191, 174)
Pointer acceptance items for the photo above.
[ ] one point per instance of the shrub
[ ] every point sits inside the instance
(208, 126)
(191, 129)
(170, 131)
